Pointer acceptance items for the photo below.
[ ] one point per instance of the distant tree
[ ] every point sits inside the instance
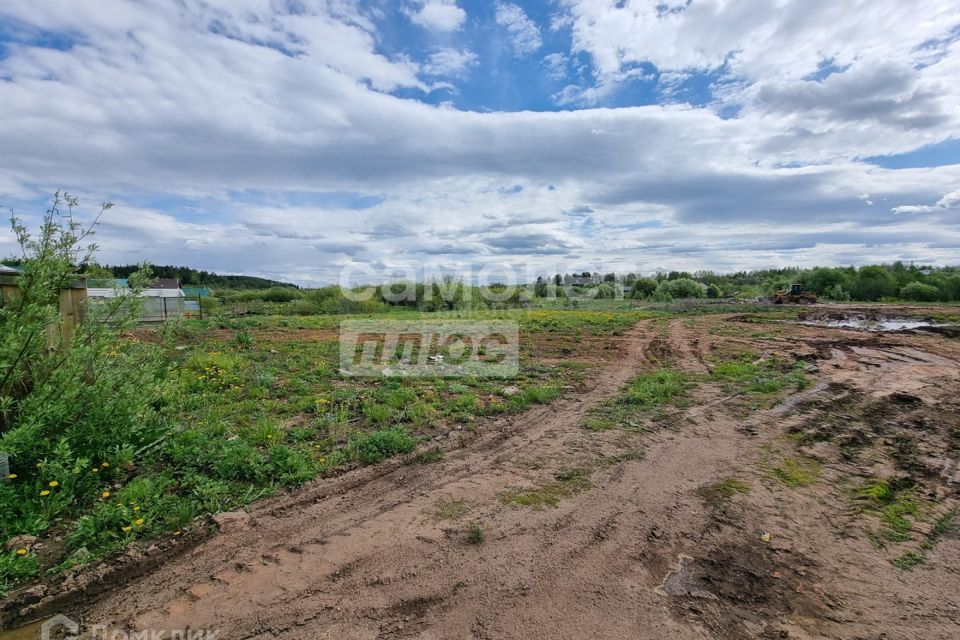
(874, 282)
(558, 280)
(610, 277)
(823, 278)
(683, 288)
(644, 287)
(713, 291)
(919, 292)
(836, 293)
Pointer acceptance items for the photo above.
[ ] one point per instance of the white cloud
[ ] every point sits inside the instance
(524, 32)
(438, 15)
(949, 202)
(450, 62)
(254, 118)
(555, 65)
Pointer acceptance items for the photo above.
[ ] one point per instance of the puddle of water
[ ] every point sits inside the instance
(26, 632)
(866, 324)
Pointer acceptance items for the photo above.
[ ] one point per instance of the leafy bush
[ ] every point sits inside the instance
(682, 288)
(920, 292)
(379, 445)
(644, 287)
(73, 411)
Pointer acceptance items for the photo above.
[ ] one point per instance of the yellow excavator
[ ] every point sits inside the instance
(796, 295)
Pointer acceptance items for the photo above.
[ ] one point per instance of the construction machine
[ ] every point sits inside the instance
(796, 295)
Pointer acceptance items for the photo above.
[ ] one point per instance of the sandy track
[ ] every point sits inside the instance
(367, 556)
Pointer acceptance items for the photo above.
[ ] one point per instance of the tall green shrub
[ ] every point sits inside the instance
(73, 415)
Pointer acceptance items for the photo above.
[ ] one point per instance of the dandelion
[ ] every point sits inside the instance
(94, 470)
(105, 495)
(139, 522)
(126, 529)
(21, 552)
(44, 493)
(54, 484)
(135, 509)
(104, 464)
(12, 476)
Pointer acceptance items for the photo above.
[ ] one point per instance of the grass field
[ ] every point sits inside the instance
(256, 404)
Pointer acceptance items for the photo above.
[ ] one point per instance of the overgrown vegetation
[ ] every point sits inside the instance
(567, 483)
(643, 394)
(797, 471)
(129, 434)
(721, 493)
(747, 371)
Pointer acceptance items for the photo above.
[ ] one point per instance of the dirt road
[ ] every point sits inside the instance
(652, 545)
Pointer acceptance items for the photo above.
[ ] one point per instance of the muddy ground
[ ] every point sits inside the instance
(731, 516)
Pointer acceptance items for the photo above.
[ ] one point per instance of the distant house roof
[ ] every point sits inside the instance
(164, 283)
(107, 282)
(199, 292)
(8, 271)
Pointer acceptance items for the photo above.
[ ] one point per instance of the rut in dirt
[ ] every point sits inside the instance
(643, 548)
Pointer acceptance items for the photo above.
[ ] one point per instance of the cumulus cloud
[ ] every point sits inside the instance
(287, 140)
(949, 202)
(450, 62)
(438, 15)
(524, 33)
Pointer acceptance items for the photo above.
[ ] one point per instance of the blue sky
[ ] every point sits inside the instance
(302, 139)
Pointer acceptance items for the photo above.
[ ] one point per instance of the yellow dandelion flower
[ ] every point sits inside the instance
(44, 493)
(54, 483)
(12, 476)
(135, 509)
(94, 470)
(21, 552)
(126, 529)
(104, 464)
(138, 522)
(105, 495)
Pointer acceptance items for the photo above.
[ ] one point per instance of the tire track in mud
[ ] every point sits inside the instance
(336, 524)
(365, 556)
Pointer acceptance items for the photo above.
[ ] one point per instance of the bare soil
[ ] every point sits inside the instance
(646, 548)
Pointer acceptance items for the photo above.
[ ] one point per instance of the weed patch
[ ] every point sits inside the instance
(643, 394)
(748, 373)
(798, 471)
(722, 492)
(452, 510)
(567, 483)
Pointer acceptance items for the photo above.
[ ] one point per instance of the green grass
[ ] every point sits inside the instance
(566, 484)
(893, 502)
(427, 456)
(15, 568)
(644, 393)
(475, 533)
(265, 409)
(912, 559)
(798, 471)
(722, 492)
(452, 510)
(909, 560)
(748, 373)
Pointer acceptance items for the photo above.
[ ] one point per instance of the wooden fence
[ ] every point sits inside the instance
(73, 298)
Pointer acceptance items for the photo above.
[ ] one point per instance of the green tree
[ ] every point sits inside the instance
(68, 405)
(683, 288)
(644, 287)
(919, 292)
(874, 282)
